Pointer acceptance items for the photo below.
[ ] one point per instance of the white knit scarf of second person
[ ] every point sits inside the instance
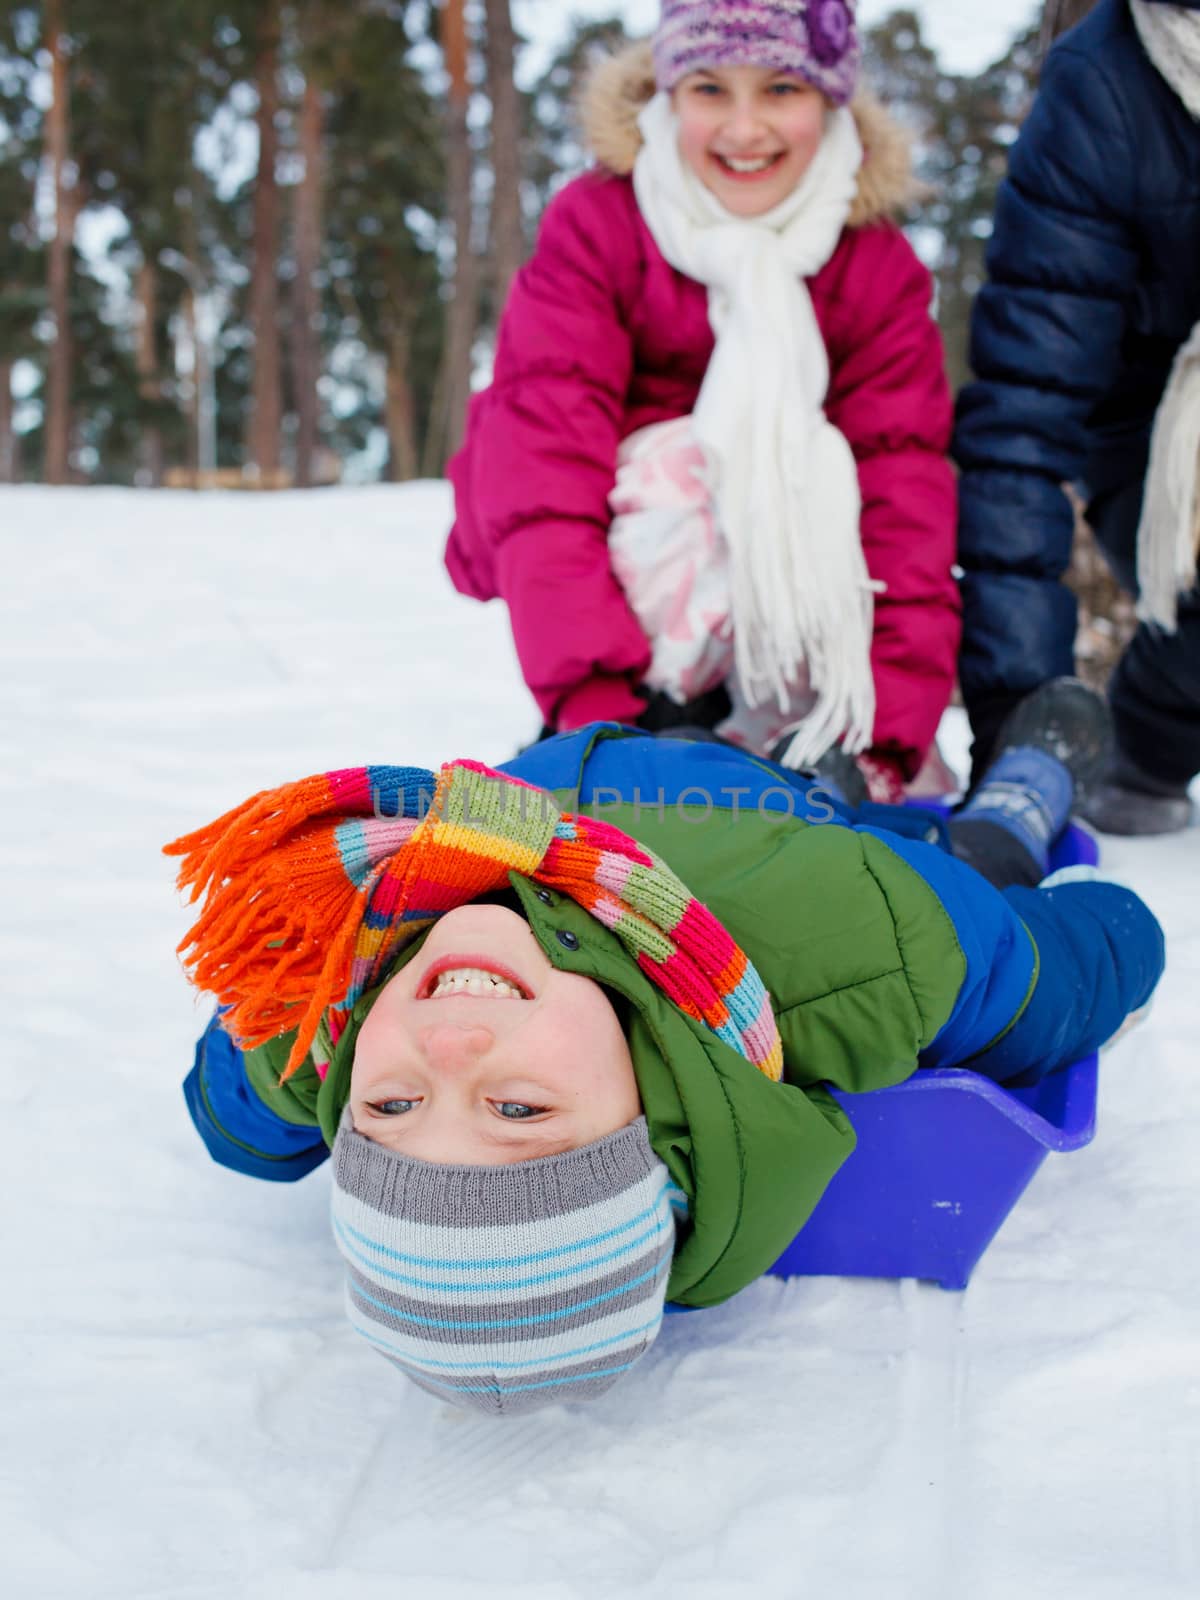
(1169, 532)
(783, 478)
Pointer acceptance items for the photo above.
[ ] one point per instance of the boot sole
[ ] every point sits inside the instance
(1068, 721)
(1129, 814)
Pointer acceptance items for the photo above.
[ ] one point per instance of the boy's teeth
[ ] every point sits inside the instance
(474, 980)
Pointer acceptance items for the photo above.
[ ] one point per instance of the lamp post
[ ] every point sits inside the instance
(205, 322)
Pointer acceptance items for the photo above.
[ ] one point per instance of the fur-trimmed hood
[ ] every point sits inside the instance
(615, 91)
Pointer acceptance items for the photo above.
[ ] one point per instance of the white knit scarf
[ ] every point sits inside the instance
(1169, 533)
(784, 481)
(1170, 36)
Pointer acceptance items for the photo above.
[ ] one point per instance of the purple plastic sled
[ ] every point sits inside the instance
(941, 1160)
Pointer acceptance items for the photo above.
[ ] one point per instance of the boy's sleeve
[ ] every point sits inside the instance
(1050, 973)
(237, 1128)
(1100, 952)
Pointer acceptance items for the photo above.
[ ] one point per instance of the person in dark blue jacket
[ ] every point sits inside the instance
(1082, 346)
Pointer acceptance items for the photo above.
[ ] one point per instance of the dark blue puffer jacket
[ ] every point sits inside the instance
(1094, 282)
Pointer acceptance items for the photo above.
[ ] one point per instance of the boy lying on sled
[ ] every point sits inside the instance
(567, 1027)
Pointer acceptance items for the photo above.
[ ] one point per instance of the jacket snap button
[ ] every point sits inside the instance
(544, 896)
(567, 939)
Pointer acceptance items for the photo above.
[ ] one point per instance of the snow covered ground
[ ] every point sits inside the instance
(184, 1411)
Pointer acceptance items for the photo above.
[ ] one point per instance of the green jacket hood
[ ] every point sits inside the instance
(752, 1156)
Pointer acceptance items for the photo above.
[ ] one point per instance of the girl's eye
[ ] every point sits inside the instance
(394, 1108)
(708, 89)
(515, 1111)
(784, 87)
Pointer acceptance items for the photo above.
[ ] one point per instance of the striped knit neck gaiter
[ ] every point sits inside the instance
(506, 1288)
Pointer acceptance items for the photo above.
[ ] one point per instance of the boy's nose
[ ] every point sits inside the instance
(451, 1045)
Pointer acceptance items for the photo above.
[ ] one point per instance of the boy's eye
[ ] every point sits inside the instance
(394, 1108)
(515, 1111)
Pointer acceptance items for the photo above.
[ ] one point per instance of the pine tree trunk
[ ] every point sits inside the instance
(462, 321)
(454, 376)
(306, 348)
(191, 393)
(58, 133)
(8, 437)
(508, 237)
(202, 413)
(266, 408)
(150, 444)
(401, 413)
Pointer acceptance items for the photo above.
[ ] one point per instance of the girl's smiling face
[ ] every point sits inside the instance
(748, 133)
(480, 1052)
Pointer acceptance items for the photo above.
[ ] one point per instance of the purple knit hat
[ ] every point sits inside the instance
(816, 39)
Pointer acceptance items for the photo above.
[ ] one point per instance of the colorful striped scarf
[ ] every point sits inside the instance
(311, 889)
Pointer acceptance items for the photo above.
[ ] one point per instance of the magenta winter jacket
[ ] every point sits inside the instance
(601, 337)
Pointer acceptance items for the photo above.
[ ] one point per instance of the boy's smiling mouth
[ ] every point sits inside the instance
(478, 977)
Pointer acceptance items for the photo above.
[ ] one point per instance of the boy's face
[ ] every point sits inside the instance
(478, 1070)
(748, 133)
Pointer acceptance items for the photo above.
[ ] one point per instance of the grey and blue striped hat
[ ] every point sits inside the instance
(505, 1288)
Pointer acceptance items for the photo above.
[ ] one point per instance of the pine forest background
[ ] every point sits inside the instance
(264, 242)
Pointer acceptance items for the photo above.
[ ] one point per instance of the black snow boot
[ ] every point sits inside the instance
(1068, 721)
(1129, 801)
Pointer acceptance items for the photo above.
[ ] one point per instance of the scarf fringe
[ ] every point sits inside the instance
(262, 943)
(844, 707)
(237, 839)
(1168, 538)
(1170, 36)
(300, 913)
